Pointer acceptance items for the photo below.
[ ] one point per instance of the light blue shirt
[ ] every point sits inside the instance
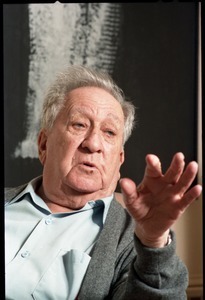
(47, 254)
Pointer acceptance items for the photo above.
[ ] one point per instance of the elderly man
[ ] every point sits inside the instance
(68, 234)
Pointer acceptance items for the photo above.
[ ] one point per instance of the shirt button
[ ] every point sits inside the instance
(25, 254)
(48, 221)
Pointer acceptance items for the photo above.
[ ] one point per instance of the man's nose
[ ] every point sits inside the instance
(93, 141)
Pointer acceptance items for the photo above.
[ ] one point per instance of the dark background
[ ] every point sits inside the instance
(156, 66)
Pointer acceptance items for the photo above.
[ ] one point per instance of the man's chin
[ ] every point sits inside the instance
(85, 187)
(82, 182)
(86, 190)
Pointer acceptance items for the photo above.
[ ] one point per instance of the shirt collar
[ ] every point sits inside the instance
(30, 188)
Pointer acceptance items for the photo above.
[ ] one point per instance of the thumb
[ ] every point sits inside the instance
(128, 189)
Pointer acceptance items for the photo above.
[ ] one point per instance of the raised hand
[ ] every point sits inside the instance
(160, 199)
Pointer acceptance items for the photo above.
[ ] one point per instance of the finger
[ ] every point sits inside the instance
(131, 199)
(176, 168)
(128, 189)
(153, 167)
(186, 178)
(191, 196)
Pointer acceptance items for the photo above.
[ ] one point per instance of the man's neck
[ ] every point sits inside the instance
(68, 203)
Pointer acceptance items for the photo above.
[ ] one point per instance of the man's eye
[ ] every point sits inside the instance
(79, 125)
(110, 133)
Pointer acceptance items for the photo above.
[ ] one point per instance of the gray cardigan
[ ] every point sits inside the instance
(122, 268)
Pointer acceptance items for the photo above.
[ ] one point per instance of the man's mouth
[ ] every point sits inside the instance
(88, 164)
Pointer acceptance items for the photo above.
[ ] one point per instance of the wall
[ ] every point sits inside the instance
(190, 246)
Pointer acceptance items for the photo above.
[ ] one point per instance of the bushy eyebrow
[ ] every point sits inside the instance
(84, 112)
(117, 121)
(115, 117)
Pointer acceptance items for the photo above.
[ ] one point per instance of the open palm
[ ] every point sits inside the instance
(160, 199)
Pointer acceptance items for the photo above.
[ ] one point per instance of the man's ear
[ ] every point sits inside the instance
(122, 156)
(42, 142)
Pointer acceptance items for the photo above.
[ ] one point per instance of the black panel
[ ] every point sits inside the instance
(16, 62)
(157, 69)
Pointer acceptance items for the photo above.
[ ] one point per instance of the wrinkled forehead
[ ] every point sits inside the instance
(94, 101)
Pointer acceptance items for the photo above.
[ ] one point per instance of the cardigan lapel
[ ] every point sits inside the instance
(103, 256)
